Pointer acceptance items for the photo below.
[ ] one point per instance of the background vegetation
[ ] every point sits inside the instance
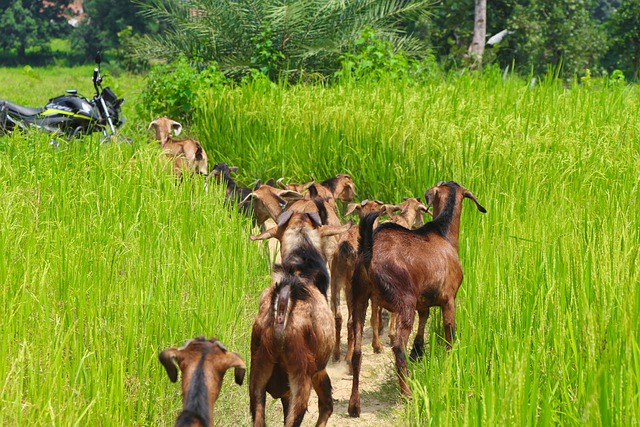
(303, 40)
(106, 260)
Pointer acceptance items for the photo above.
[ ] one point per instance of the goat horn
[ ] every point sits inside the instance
(468, 194)
(280, 184)
(152, 124)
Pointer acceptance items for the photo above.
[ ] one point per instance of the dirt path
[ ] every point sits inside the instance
(380, 400)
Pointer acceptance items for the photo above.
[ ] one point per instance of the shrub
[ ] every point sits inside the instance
(375, 58)
(173, 89)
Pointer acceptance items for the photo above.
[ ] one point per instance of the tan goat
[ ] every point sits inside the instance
(203, 364)
(187, 154)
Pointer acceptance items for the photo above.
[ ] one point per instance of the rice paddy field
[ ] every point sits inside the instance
(106, 260)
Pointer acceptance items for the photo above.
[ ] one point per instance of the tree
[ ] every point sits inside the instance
(31, 23)
(557, 33)
(105, 23)
(625, 31)
(280, 38)
(476, 48)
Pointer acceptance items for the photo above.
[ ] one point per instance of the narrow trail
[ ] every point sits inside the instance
(381, 404)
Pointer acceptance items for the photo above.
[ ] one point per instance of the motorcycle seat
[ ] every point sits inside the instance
(21, 110)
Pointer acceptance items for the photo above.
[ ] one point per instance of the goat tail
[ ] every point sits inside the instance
(365, 241)
(281, 309)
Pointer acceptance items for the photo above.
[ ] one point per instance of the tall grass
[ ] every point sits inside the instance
(549, 308)
(106, 260)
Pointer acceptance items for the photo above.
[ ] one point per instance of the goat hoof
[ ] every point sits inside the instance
(354, 410)
(377, 349)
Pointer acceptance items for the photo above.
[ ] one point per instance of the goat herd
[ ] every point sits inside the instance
(401, 265)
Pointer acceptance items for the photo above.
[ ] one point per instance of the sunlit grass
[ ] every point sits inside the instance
(106, 260)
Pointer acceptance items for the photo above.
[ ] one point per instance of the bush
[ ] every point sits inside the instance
(173, 89)
(374, 58)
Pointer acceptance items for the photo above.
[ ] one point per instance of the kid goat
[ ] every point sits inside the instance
(203, 364)
(404, 271)
(187, 154)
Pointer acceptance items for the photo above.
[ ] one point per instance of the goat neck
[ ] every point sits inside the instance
(446, 199)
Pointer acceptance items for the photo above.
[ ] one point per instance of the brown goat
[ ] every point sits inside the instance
(296, 227)
(291, 340)
(187, 154)
(203, 364)
(341, 266)
(406, 271)
(411, 216)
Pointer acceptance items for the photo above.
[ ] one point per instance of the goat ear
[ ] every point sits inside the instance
(284, 218)
(332, 230)
(270, 233)
(290, 195)
(469, 195)
(313, 191)
(307, 185)
(257, 185)
(246, 200)
(390, 209)
(239, 367)
(233, 169)
(430, 196)
(177, 128)
(315, 218)
(168, 359)
(351, 208)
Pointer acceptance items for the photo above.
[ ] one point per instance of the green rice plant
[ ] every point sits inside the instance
(107, 259)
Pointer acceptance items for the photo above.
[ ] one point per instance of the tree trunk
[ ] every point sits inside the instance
(476, 49)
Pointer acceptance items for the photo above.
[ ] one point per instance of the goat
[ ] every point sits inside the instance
(222, 173)
(341, 266)
(298, 188)
(188, 154)
(340, 187)
(203, 364)
(406, 271)
(295, 227)
(411, 216)
(269, 202)
(291, 339)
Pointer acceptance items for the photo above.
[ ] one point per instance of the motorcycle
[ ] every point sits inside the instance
(70, 115)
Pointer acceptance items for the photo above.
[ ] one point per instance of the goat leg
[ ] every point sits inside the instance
(404, 326)
(376, 312)
(418, 343)
(261, 371)
(360, 303)
(448, 318)
(300, 391)
(322, 385)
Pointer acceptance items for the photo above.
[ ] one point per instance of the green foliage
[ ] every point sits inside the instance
(29, 24)
(551, 32)
(266, 57)
(174, 89)
(282, 39)
(625, 33)
(372, 58)
(104, 21)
